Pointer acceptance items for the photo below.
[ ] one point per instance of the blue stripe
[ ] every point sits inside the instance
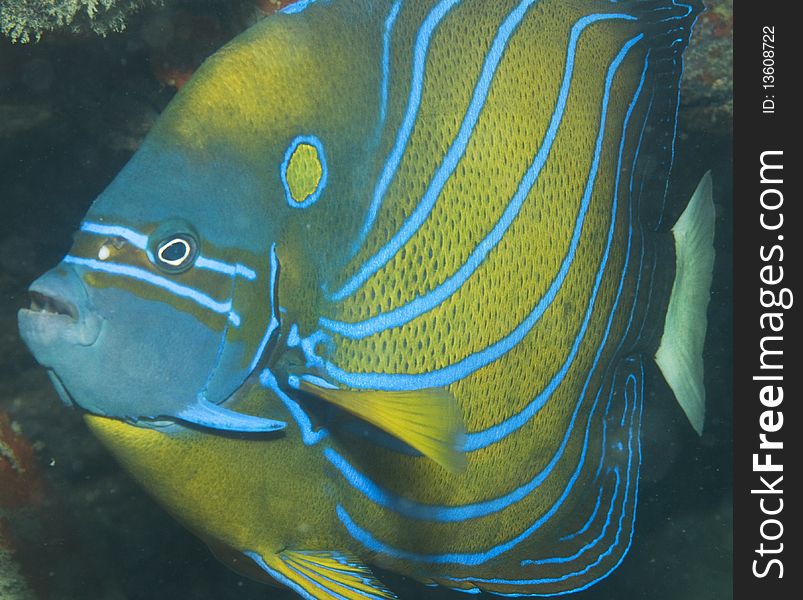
(136, 239)
(366, 539)
(140, 241)
(412, 509)
(530, 582)
(639, 403)
(286, 581)
(222, 308)
(423, 304)
(443, 514)
(297, 7)
(452, 158)
(219, 355)
(672, 152)
(493, 434)
(649, 294)
(416, 510)
(308, 435)
(592, 543)
(295, 382)
(465, 367)
(421, 50)
(383, 94)
(591, 518)
(219, 266)
(273, 323)
(679, 53)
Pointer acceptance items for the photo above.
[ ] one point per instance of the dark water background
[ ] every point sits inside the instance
(71, 113)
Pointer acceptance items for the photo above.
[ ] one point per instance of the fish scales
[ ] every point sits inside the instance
(358, 224)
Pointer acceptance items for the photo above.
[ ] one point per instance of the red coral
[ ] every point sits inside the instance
(21, 485)
(22, 488)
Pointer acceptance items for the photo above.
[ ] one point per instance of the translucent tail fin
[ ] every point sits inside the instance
(680, 355)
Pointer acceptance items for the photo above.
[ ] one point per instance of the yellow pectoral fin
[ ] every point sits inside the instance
(427, 420)
(324, 575)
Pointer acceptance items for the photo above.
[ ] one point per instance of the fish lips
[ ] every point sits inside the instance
(59, 317)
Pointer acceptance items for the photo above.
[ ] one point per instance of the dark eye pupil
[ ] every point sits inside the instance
(175, 251)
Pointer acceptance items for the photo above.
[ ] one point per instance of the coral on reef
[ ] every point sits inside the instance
(24, 20)
(27, 20)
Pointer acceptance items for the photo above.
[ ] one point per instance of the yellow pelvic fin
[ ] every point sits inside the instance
(427, 420)
(324, 575)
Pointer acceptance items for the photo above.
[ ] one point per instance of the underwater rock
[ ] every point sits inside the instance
(707, 87)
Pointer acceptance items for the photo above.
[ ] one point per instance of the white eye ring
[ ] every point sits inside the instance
(175, 262)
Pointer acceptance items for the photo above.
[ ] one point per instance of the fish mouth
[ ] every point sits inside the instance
(58, 313)
(47, 305)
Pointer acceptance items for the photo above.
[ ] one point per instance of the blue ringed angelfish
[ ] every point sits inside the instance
(380, 286)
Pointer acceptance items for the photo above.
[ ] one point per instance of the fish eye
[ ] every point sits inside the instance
(176, 253)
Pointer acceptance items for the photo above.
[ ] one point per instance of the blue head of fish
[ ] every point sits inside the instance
(166, 303)
(152, 314)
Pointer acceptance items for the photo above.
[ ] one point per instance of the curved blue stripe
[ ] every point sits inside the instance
(513, 582)
(417, 510)
(590, 519)
(689, 8)
(672, 151)
(463, 368)
(421, 50)
(286, 581)
(273, 323)
(366, 539)
(443, 514)
(222, 308)
(383, 93)
(309, 436)
(592, 543)
(297, 7)
(605, 427)
(403, 314)
(450, 160)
